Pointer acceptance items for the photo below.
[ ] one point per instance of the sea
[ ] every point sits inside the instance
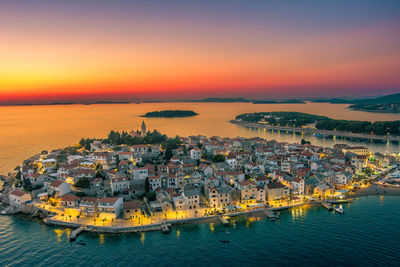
(367, 234)
(27, 130)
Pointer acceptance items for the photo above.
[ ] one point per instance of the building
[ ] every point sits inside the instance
(132, 209)
(18, 197)
(69, 201)
(358, 150)
(110, 207)
(195, 153)
(298, 185)
(154, 182)
(143, 129)
(220, 197)
(59, 188)
(119, 185)
(275, 191)
(88, 206)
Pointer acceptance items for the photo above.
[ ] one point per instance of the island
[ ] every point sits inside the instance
(170, 114)
(287, 120)
(140, 181)
(289, 101)
(385, 104)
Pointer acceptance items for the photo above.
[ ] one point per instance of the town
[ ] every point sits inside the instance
(136, 180)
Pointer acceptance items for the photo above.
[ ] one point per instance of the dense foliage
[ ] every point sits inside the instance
(170, 114)
(296, 119)
(124, 138)
(83, 182)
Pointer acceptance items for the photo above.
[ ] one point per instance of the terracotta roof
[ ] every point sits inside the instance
(56, 183)
(69, 197)
(17, 192)
(108, 199)
(135, 204)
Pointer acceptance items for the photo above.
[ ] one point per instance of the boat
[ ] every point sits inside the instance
(340, 210)
(318, 135)
(225, 241)
(80, 242)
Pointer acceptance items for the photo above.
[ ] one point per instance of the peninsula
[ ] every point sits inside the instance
(143, 181)
(310, 121)
(170, 114)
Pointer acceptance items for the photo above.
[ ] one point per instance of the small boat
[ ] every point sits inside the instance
(225, 241)
(340, 210)
(318, 135)
(80, 242)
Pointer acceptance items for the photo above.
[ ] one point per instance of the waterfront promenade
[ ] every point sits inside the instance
(145, 224)
(316, 131)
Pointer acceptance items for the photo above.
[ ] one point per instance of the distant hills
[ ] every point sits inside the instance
(394, 98)
(386, 104)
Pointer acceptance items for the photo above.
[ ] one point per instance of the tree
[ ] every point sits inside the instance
(151, 196)
(304, 142)
(83, 182)
(218, 158)
(147, 185)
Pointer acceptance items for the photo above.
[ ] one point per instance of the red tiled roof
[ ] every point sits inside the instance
(17, 192)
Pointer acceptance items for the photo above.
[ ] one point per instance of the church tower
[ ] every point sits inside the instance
(143, 132)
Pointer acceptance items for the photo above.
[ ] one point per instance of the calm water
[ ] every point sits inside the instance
(27, 130)
(367, 234)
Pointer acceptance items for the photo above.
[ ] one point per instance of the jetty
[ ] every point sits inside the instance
(271, 214)
(165, 228)
(224, 220)
(75, 233)
(327, 205)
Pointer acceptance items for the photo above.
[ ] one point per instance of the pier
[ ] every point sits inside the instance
(326, 205)
(271, 214)
(316, 131)
(75, 233)
(223, 220)
(164, 228)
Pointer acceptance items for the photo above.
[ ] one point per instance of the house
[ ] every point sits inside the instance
(154, 182)
(37, 178)
(220, 197)
(140, 173)
(69, 201)
(248, 191)
(119, 185)
(88, 206)
(298, 185)
(188, 199)
(59, 188)
(275, 191)
(18, 197)
(261, 181)
(110, 207)
(195, 153)
(343, 178)
(48, 165)
(132, 209)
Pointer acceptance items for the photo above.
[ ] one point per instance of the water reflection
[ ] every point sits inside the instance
(101, 239)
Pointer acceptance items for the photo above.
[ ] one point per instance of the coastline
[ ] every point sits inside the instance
(170, 223)
(375, 189)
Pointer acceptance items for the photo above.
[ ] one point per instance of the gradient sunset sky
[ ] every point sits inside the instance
(117, 50)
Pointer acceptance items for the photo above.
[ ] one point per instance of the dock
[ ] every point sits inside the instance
(271, 214)
(75, 233)
(224, 220)
(326, 205)
(164, 228)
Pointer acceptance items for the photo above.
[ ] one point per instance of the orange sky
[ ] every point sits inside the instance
(62, 52)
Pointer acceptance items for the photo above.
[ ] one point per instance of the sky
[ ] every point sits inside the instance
(77, 50)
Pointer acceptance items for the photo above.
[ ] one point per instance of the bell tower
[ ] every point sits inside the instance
(143, 132)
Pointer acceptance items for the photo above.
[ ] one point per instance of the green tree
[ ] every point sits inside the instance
(218, 158)
(83, 182)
